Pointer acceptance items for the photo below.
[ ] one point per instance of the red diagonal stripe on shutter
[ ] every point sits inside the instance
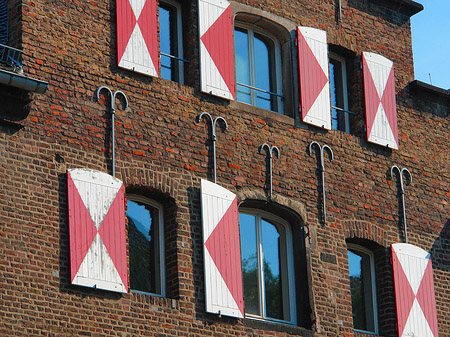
(425, 297)
(404, 295)
(371, 98)
(82, 229)
(388, 101)
(223, 246)
(312, 77)
(147, 24)
(112, 232)
(218, 40)
(126, 21)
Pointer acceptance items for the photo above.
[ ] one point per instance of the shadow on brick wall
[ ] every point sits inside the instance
(441, 249)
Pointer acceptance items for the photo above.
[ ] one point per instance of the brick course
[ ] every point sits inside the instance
(163, 152)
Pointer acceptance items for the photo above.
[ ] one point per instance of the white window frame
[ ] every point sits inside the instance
(179, 37)
(363, 250)
(341, 60)
(288, 270)
(162, 267)
(277, 59)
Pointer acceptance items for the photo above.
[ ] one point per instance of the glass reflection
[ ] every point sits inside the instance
(144, 250)
(249, 254)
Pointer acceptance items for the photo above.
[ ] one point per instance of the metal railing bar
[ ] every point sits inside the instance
(174, 57)
(261, 90)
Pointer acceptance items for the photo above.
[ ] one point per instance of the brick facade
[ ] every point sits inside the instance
(162, 152)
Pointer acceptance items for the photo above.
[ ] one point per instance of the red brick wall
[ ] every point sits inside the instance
(162, 151)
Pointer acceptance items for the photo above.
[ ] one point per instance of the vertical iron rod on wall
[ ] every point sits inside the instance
(322, 172)
(113, 111)
(213, 132)
(402, 193)
(270, 150)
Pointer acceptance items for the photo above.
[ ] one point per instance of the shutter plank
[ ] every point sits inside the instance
(216, 48)
(414, 291)
(137, 39)
(379, 98)
(314, 77)
(222, 261)
(97, 230)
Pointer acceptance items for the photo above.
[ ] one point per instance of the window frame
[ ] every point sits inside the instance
(344, 88)
(362, 250)
(277, 59)
(178, 37)
(289, 296)
(162, 275)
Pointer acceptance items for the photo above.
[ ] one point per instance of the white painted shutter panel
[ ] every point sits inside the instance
(314, 77)
(97, 230)
(216, 48)
(414, 291)
(137, 37)
(379, 99)
(221, 251)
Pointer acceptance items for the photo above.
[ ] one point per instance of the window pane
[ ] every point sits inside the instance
(263, 78)
(242, 65)
(337, 94)
(165, 40)
(247, 225)
(143, 236)
(272, 270)
(357, 290)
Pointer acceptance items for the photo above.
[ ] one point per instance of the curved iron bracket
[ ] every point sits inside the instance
(112, 111)
(322, 149)
(407, 174)
(270, 150)
(213, 135)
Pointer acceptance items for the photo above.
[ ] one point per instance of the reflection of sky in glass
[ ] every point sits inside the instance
(165, 42)
(333, 96)
(242, 65)
(247, 226)
(141, 217)
(354, 264)
(262, 72)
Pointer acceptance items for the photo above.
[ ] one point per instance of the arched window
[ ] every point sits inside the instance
(361, 267)
(146, 245)
(258, 68)
(267, 266)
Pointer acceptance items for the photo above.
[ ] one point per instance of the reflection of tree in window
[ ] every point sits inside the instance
(143, 235)
(263, 267)
(362, 287)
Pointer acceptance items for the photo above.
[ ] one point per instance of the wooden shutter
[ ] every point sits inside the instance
(414, 291)
(137, 40)
(221, 251)
(313, 77)
(379, 99)
(97, 230)
(216, 48)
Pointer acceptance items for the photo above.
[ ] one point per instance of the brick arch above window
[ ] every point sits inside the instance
(360, 229)
(288, 208)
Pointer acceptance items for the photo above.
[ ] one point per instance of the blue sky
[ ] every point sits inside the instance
(431, 43)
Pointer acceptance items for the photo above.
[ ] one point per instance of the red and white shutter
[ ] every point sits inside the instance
(137, 40)
(97, 230)
(414, 291)
(221, 251)
(313, 77)
(216, 48)
(379, 99)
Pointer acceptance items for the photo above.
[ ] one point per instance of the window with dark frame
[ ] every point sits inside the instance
(362, 286)
(171, 41)
(146, 245)
(267, 267)
(258, 68)
(339, 93)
